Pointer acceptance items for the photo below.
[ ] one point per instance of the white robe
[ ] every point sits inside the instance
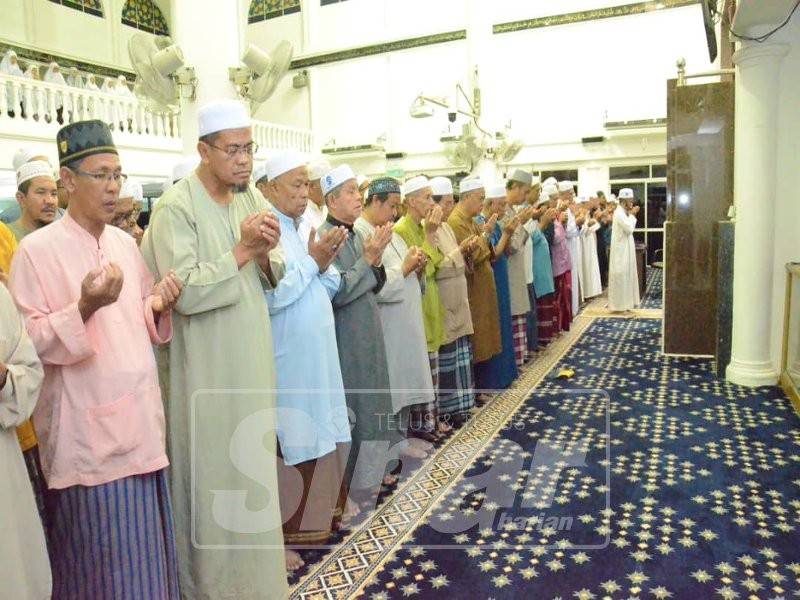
(10, 69)
(623, 281)
(575, 253)
(24, 566)
(400, 305)
(60, 100)
(592, 285)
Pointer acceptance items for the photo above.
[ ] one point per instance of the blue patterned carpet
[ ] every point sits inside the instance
(653, 292)
(642, 477)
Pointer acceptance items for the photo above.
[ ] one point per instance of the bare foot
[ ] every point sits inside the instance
(412, 451)
(351, 510)
(444, 427)
(293, 560)
(389, 480)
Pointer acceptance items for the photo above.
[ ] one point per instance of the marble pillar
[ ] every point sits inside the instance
(757, 69)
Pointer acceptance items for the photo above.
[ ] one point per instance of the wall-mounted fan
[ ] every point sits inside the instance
(264, 72)
(156, 60)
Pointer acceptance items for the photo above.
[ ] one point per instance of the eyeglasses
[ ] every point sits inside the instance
(104, 176)
(232, 150)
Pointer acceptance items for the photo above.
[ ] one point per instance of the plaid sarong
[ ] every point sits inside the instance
(520, 325)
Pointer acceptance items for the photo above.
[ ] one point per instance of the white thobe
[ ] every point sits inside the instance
(623, 281)
(574, 244)
(592, 285)
(400, 305)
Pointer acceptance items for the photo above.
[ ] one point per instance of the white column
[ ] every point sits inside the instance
(209, 33)
(758, 66)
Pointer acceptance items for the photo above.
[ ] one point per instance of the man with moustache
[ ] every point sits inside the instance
(215, 231)
(92, 313)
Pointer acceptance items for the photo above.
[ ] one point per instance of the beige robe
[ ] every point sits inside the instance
(220, 409)
(452, 281)
(24, 566)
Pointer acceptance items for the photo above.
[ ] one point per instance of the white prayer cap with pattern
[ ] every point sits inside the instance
(283, 162)
(441, 186)
(335, 178)
(551, 180)
(21, 157)
(132, 189)
(565, 186)
(184, 167)
(415, 184)
(318, 168)
(259, 172)
(521, 176)
(497, 190)
(470, 184)
(626, 194)
(549, 190)
(221, 115)
(33, 169)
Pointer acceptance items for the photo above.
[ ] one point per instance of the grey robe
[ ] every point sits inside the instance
(400, 304)
(362, 356)
(221, 377)
(24, 566)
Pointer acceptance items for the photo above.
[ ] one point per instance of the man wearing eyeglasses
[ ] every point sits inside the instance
(215, 231)
(92, 313)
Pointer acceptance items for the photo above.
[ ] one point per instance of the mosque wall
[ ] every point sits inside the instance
(588, 73)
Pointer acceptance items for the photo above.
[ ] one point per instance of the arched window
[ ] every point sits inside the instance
(91, 7)
(261, 10)
(144, 15)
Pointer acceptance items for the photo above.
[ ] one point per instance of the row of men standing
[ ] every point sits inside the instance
(335, 334)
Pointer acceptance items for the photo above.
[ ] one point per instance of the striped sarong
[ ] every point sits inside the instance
(520, 333)
(456, 393)
(114, 540)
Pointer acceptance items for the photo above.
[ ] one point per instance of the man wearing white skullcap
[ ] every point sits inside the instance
(418, 229)
(359, 336)
(501, 370)
(518, 187)
(566, 193)
(37, 195)
(316, 211)
(480, 282)
(214, 230)
(126, 211)
(623, 278)
(456, 391)
(311, 401)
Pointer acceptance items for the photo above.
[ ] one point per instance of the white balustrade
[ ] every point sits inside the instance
(32, 108)
(37, 101)
(270, 136)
